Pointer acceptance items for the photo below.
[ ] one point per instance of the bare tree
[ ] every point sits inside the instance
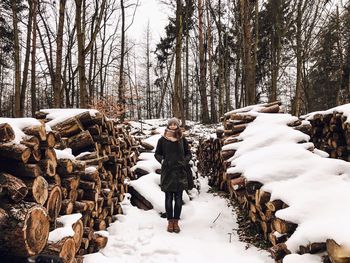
(59, 51)
(202, 78)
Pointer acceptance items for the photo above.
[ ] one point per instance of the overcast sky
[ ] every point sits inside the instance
(157, 15)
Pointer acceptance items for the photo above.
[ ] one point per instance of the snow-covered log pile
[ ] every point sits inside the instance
(331, 131)
(66, 162)
(291, 190)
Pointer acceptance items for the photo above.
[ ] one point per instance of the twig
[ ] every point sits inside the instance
(216, 218)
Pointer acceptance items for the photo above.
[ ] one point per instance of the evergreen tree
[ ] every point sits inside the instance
(324, 77)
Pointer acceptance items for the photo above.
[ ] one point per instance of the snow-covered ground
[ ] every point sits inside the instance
(207, 235)
(207, 226)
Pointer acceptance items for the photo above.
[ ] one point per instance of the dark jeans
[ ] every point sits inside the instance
(173, 213)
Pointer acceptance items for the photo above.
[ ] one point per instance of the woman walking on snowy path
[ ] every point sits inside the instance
(174, 154)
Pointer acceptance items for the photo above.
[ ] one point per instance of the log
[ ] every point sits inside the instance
(54, 202)
(64, 248)
(78, 228)
(279, 251)
(20, 169)
(228, 154)
(68, 127)
(90, 175)
(87, 185)
(85, 119)
(24, 229)
(6, 133)
(18, 152)
(48, 167)
(37, 189)
(64, 166)
(50, 141)
(71, 183)
(137, 199)
(282, 226)
(251, 187)
(146, 145)
(99, 241)
(81, 141)
(38, 131)
(270, 109)
(67, 207)
(336, 252)
(275, 205)
(276, 238)
(237, 183)
(313, 248)
(14, 187)
(262, 197)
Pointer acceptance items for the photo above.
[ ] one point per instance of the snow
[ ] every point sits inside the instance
(305, 258)
(153, 140)
(141, 236)
(314, 187)
(251, 110)
(65, 154)
(207, 224)
(148, 165)
(59, 115)
(67, 230)
(83, 154)
(18, 124)
(345, 109)
(146, 156)
(90, 169)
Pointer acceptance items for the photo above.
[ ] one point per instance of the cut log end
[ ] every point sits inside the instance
(36, 230)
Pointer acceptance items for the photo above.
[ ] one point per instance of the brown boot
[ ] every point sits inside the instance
(170, 225)
(176, 226)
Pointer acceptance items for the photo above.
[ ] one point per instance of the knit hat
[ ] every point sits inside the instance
(174, 120)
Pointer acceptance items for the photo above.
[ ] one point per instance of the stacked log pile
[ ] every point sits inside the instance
(38, 183)
(214, 156)
(214, 161)
(331, 133)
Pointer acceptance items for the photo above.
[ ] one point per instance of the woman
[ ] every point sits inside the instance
(174, 154)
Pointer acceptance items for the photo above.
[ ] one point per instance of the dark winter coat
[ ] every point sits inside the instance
(174, 157)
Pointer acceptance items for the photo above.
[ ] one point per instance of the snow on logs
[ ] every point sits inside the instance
(217, 154)
(64, 162)
(331, 132)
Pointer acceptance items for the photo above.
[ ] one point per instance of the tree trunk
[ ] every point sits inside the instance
(248, 59)
(202, 78)
(121, 85)
(148, 81)
(213, 110)
(17, 109)
(33, 73)
(59, 42)
(177, 99)
(297, 99)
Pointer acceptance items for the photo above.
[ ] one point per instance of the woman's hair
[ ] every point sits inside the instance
(173, 121)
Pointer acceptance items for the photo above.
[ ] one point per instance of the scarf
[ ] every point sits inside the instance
(171, 135)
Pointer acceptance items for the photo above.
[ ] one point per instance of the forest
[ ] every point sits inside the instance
(215, 56)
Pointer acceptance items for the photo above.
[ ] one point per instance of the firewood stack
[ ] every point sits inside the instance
(38, 183)
(210, 160)
(214, 157)
(331, 133)
(214, 153)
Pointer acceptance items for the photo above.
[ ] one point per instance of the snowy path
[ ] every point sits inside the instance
(140, 236)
